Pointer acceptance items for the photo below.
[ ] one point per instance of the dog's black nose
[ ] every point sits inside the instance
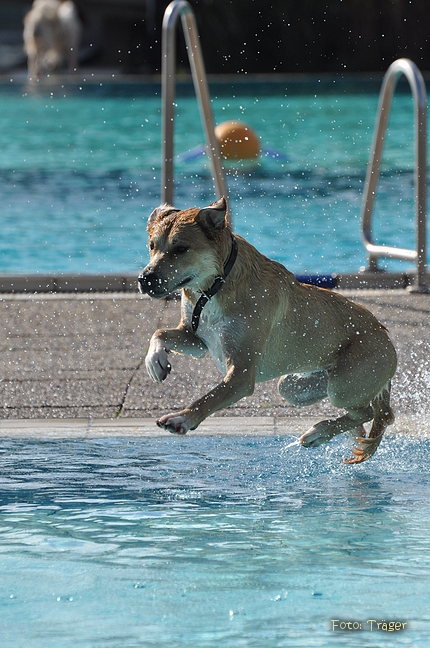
(148, 283)
(146, 280)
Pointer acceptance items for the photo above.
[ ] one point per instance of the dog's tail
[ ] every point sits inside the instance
(383, 416)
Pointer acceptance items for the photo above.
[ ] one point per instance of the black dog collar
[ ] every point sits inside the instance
(219, 281)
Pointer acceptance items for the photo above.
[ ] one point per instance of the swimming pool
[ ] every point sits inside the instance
(226, 541)
(80, 172)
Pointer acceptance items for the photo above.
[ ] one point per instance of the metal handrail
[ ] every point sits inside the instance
(417, 85)
(168, 76)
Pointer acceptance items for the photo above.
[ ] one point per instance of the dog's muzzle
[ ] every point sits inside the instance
(150, 284)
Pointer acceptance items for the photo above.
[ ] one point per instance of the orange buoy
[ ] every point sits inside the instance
(237, 141)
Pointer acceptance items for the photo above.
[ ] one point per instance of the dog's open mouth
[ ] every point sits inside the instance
(156, 289)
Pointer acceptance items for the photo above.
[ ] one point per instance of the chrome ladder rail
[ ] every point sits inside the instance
(168, 77)
(417, 85)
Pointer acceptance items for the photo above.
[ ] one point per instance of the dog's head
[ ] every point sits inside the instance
(185, 248)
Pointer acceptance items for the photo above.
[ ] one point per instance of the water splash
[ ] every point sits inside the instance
(293, 443)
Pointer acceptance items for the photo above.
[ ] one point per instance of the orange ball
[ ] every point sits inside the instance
(237, 141)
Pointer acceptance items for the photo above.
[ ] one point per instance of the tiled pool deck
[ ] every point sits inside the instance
(73, 365)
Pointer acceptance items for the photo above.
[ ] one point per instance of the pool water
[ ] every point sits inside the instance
(212, 541)
(80, 172)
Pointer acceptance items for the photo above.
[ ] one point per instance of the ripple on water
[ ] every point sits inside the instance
(210, 540)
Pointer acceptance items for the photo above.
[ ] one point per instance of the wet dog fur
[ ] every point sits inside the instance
(264, 324)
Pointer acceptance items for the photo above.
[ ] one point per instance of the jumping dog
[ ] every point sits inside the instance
(258, 323)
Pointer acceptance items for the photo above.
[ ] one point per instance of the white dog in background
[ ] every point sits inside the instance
(52, 32)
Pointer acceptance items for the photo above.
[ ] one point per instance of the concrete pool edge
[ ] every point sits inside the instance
(253, 426)
(70, 283)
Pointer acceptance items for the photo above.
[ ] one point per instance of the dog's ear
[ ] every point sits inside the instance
(212, 218)
(159, 213)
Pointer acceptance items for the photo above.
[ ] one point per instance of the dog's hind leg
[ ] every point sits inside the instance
(382, 417)
(359, 383)
(304, 389)
(326, 430)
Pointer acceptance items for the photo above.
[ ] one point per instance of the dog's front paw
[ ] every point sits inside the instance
(318, 434)
(177, 423)
(157, 361)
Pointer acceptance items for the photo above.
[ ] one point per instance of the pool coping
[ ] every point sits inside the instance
(127, 282)
(254, 426)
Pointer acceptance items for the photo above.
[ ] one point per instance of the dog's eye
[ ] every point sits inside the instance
(180, 249)
(151, 245)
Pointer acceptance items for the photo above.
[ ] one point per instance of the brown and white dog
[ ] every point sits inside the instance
(52, 31)
(258, 322)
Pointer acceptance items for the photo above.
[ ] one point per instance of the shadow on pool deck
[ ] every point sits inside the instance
(81, 357)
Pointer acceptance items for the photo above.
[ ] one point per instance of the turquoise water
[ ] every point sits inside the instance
(80, 174)
(212, 541)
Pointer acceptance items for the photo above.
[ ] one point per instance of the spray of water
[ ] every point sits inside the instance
(293, 443)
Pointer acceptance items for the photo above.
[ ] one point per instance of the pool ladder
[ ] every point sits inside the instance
(182, 9)
(417, 85)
